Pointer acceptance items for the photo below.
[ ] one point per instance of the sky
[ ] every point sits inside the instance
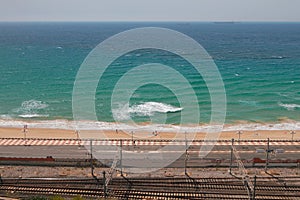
(150, 10)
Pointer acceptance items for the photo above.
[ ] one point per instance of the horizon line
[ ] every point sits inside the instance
(147, 21)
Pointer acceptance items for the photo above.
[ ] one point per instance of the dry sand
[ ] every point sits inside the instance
(68, 134)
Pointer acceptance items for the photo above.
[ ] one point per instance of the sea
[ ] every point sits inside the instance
(259, 64)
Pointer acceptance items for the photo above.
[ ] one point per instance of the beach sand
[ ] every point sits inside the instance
(97, 134)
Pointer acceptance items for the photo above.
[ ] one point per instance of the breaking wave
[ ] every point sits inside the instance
(145, 109)
(289, 107)
(32, 116)
(31, 109)
(98, 125)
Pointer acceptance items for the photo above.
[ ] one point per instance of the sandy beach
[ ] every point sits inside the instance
(109, 134)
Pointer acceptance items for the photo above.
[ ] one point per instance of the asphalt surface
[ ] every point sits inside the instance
(154, 155)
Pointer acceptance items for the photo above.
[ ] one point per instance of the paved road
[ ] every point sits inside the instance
(153, 154)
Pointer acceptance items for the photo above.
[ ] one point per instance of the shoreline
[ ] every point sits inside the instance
(65, 129)
(66, 124)
(46, 133)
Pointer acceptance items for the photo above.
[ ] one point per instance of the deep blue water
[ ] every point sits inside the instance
(259, 64)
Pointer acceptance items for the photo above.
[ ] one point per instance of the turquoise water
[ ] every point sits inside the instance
(259, 64)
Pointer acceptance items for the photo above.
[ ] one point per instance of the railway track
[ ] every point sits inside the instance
(155, 188)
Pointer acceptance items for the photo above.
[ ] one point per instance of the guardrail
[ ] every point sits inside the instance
(147, 140)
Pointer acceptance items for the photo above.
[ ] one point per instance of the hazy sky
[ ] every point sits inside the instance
(150, 10)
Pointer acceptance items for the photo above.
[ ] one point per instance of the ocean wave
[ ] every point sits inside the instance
(32, 105)
(283, 94)
(249, 103)
(278, 57)
(98, 125)
(264, 127)
(5, 117)
(33, 116)
(31, 109)
(149, 108)
(289, 107)
(145, 109)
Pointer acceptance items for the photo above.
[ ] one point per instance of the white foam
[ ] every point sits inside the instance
(149, 108)
(97, 125)
(32, 105)
(31, 109)
(5, 117)
(277, 57)
(32, 116)
(289, 107)
(262, 127)
(123, 112)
